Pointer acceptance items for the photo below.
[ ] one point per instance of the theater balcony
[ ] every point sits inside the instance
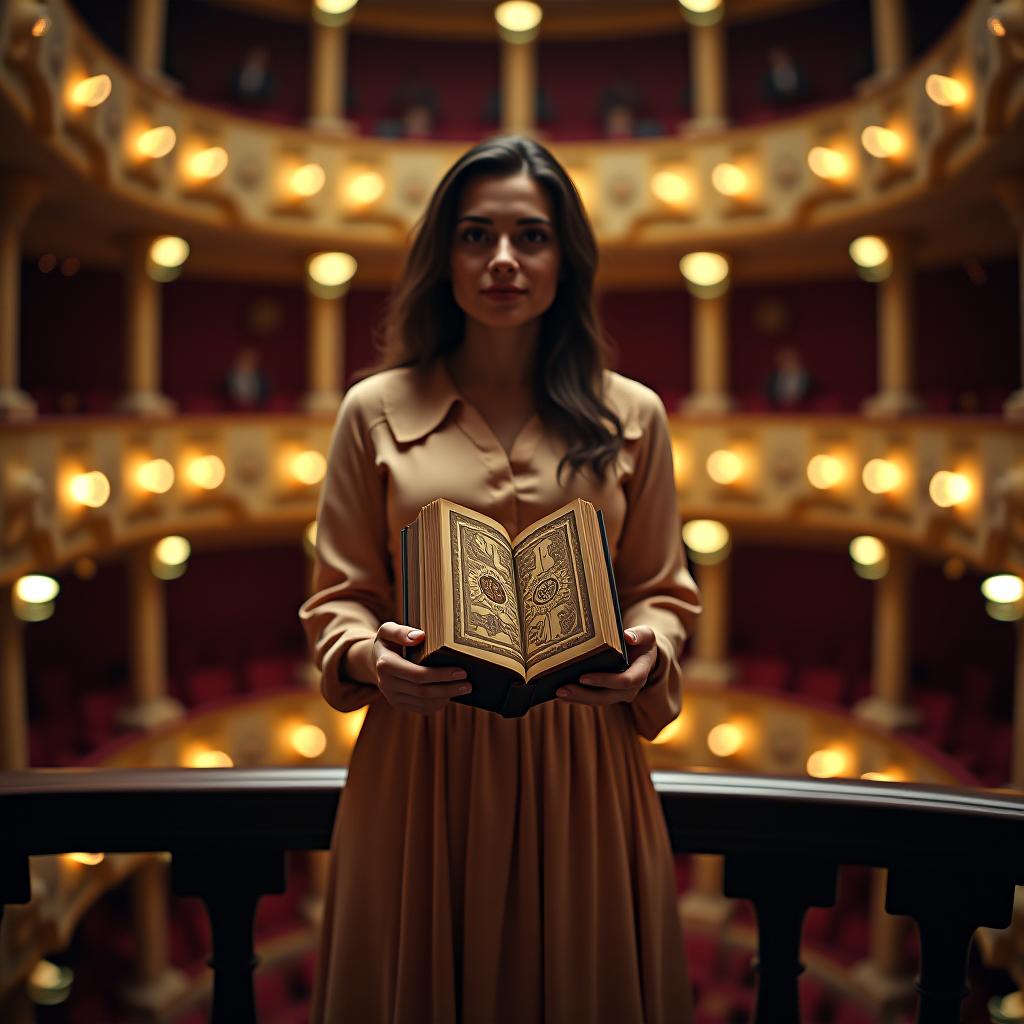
(849, 758)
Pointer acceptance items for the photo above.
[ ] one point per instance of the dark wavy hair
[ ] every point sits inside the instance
(424, 322)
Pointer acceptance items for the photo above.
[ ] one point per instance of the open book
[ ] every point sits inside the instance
(521, 615)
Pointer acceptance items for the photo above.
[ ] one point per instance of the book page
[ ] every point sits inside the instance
(484, 598)
(557, 614)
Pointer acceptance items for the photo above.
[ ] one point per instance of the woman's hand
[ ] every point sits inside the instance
(613, 687)
(406, 685)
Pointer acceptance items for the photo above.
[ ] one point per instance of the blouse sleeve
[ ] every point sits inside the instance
(655, 588)
(353, 583)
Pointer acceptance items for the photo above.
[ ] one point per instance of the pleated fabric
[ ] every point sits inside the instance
(492, 870)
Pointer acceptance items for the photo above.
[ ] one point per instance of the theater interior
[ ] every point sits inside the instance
(811, 222)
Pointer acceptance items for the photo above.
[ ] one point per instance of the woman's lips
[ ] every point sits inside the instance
(503, 294)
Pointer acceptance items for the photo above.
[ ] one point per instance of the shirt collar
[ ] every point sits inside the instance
(417, 401)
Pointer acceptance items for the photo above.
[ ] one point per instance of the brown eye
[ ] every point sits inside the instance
(472, 235)
(535, 236)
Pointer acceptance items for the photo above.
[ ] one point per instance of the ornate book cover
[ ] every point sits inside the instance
(522, 615)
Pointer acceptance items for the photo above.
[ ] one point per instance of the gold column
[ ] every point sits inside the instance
(707, 74)
(156, 984)
(326, 354)
(13, 707)
(888, 705)
(885, 974)
(1010, 190)
(143, 335)
(518, 86)
(710, 661)
(19, 194)
(889, 35)
(895, 336)
(146, 46)
(710, 357)
(329, 78)
(151, 706)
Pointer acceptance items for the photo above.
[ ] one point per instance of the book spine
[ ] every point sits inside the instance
(405, 585)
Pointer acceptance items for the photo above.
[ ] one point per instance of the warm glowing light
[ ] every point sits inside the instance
(331, 269)
(671, 187)
(889, 775)
(674, 732)
(829, 163)
(91, 489)
(308, 467)
(518, 16)
(351, 723)
(307, 180)
(169, 251)
(996, 26)
(704, 269)
(335, 6)
(207, 163)
(173, 550)
(364, 187)
(202, 757)
(89, 859)
(308, 740)
(48, 977)
(724, 466)
(40, 27)
(700, 6)
(310, 535)
(730, 180)
(825, 471)
(946, 91)
(867, 550)
(1003, 589)
(91, 92)
(725, 739)
(206, 471)
(827, 764)
(155, 476)
(869, 251)
(881, 476)
(705, 536)
(947, 489)
(156, 142)
(36, 589)
(882, 142)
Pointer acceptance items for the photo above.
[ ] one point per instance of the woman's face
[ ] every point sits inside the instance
(505, 254)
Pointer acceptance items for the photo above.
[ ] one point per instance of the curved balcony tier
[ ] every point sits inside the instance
(89, 153)
(262, 490)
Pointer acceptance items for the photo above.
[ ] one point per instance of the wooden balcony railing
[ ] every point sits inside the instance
(953, 856)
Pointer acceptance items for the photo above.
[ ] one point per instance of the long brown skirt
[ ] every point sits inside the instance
(486, 870)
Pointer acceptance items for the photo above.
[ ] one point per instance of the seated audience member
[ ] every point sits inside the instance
(253, 83)
(784, 83)
(245, 384)
(416, 105)
(620, 108)
(790, 383)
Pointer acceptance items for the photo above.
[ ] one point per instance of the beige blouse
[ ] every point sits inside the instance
(398, 443)
(486, 869)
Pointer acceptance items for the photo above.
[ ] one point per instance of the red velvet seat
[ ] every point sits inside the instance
(262, 675)
(764, 673)
(210, 684)
(821, 683)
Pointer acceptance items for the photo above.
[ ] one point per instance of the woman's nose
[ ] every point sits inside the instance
(504, 257)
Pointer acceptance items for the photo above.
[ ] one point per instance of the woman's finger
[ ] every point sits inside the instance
(434, 692)
(581, 695)
(396, 633)
(393, 664)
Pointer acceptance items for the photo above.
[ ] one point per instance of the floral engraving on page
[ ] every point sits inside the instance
(556, 605)
(486, 612)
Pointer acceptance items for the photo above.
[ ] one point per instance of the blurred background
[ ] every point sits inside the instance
(811, 218)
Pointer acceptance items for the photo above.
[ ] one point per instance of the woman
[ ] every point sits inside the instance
(485, 869)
